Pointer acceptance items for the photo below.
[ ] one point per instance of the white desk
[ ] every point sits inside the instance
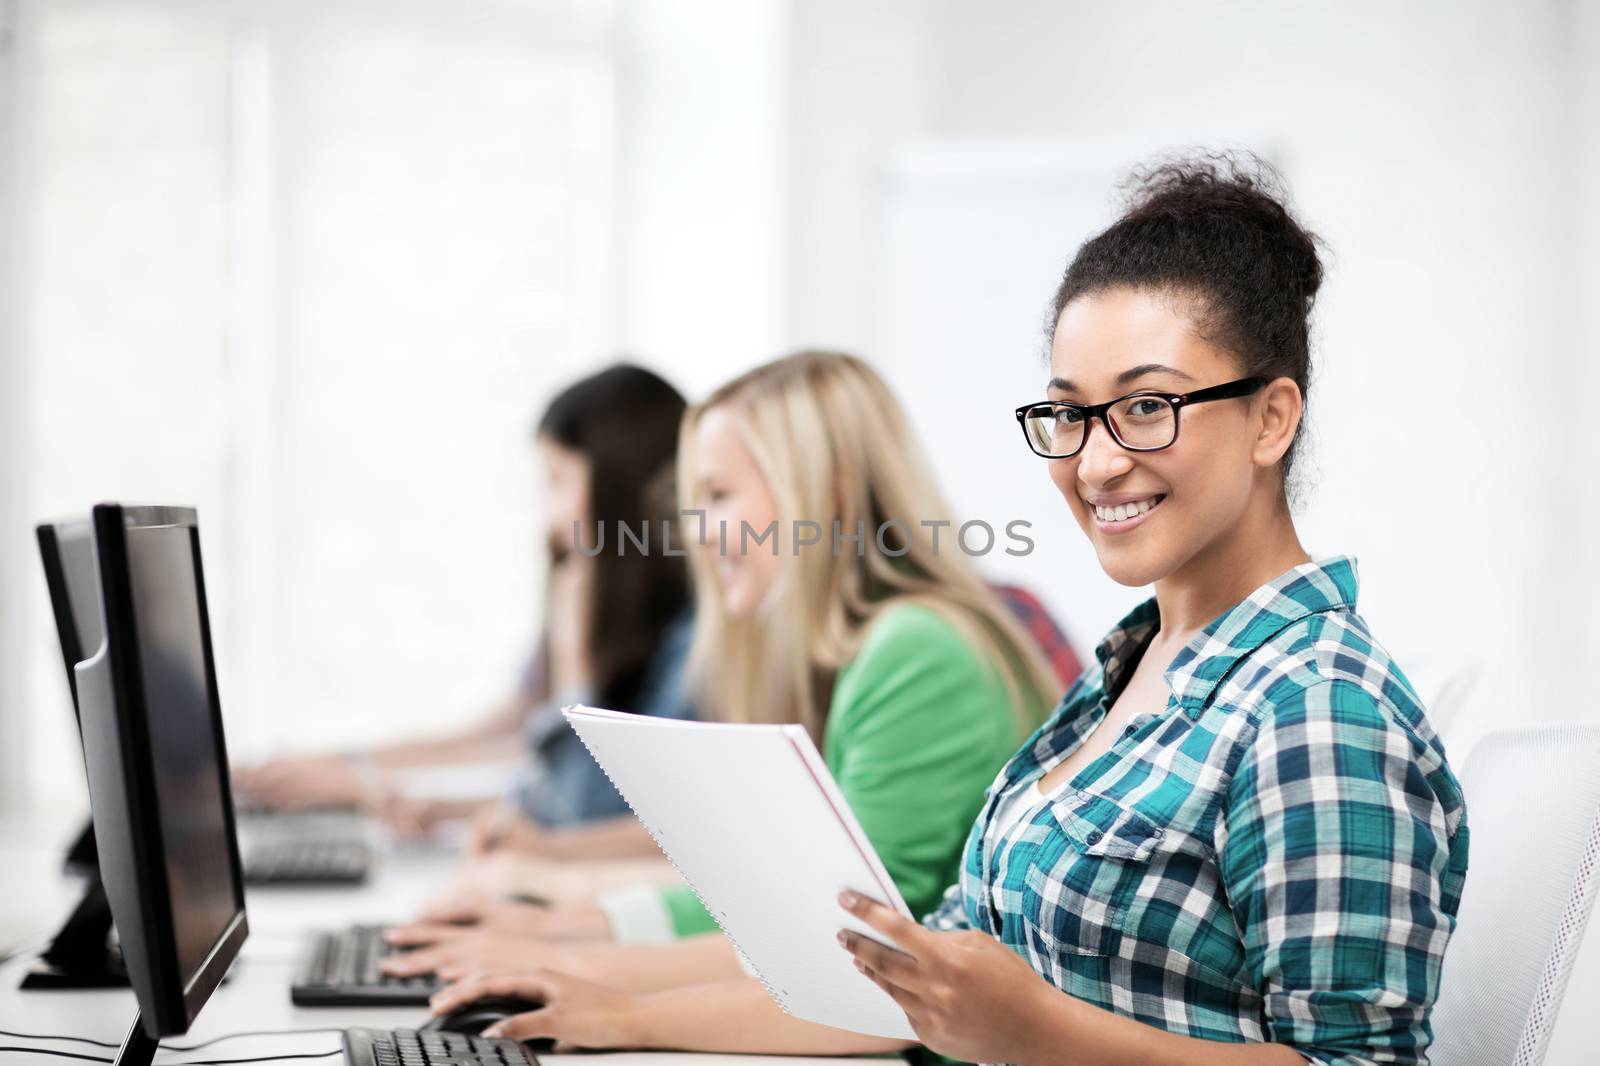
(256, 993)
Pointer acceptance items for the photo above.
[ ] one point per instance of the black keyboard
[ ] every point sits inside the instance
(341, 970)
(408, 1047)
(310, 861)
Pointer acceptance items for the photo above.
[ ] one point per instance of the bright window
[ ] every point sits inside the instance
(310, 268)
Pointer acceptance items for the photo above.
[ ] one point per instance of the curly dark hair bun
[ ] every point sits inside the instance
(1213, 228)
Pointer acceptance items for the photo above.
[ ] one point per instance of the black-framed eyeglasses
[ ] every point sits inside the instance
(1144, 421)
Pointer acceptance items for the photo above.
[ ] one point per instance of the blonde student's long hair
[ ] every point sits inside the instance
(833, 443)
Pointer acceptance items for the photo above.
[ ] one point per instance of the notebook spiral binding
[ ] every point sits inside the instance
(772, 992)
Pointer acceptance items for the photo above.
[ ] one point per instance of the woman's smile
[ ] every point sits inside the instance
(1123, 513)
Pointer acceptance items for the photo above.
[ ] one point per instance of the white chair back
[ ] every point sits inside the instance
(1533, 811)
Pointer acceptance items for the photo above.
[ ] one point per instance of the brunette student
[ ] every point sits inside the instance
(617, 629)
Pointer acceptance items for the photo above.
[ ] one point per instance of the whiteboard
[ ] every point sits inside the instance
(975, 240)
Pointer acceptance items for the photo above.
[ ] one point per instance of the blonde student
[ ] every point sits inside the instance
(912, 677)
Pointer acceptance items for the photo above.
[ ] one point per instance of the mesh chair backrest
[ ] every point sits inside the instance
(1533, 811)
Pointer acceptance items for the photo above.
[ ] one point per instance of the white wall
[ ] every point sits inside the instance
(13, 539)
(1586, 45)
(859, 91)
(1579, 1030)
(701, 183)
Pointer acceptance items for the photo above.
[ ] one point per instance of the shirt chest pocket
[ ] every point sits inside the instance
(1084, 876)
(1109, 881)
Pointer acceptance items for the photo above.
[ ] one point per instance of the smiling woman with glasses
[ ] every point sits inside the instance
(1237, 840)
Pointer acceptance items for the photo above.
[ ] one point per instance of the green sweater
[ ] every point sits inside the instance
(918, 726)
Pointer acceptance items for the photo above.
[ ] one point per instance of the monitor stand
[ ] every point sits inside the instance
(81, 956)
(138, 1048)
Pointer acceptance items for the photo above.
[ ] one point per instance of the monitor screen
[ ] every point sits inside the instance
(189, 780)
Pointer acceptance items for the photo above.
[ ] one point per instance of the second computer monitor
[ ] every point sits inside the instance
(67, 552)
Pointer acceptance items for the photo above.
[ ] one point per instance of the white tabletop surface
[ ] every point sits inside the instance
(36, 896)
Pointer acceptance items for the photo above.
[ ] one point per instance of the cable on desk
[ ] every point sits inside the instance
(255, 1032)
(257, 1058)
(194, 1062)
(170, 1047)
(67, 1039)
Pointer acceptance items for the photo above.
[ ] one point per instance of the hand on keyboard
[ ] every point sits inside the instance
(451, 952)
(344, 968)
(576, 1013)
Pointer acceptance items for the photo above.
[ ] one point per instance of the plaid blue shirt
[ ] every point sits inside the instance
(1278, 856)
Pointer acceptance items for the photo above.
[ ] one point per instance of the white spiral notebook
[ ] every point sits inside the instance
(755, 823)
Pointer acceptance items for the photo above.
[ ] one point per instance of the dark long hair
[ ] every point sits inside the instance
(624, 420)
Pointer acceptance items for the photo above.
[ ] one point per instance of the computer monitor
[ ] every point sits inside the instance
(80, 955)
(67, 551)
(157, 763)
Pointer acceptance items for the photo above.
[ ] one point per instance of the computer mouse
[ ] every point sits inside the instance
(473, 1018)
